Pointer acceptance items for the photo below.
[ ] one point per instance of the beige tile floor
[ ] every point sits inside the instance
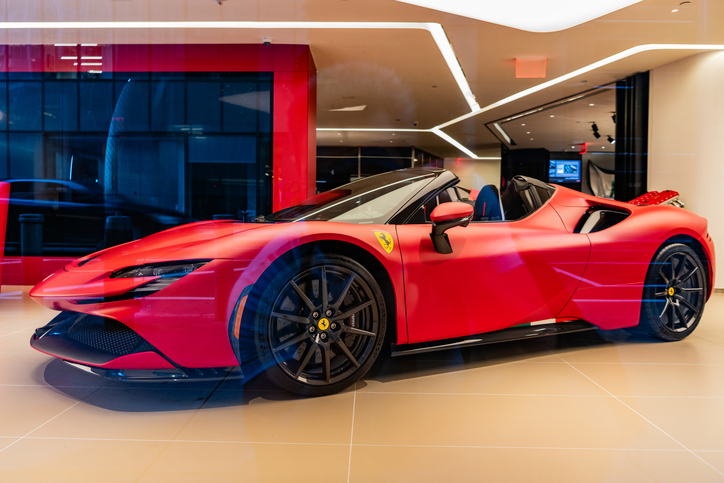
(579, 408)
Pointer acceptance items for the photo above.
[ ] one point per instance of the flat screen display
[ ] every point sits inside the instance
(564, 171)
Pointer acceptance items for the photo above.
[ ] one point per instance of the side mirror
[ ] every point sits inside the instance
(444, 217)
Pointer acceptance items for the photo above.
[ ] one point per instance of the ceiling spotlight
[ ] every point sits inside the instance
(596, 135)
(613, 117)
(611, 140)
(594, 127)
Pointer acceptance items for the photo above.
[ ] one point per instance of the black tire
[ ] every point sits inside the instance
(674, 293)
(296, 344)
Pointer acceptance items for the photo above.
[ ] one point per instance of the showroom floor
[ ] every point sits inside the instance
(583, 407)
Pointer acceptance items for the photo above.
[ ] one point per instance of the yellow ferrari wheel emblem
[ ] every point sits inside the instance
(385, 240)
(671, 291)
(323, 324)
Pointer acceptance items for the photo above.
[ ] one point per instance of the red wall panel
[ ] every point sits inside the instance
(294, 101)
(4, 194)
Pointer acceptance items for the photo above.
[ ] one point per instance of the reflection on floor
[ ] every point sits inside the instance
(583, 407)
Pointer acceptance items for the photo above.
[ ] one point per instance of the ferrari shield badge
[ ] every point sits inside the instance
(385, 240)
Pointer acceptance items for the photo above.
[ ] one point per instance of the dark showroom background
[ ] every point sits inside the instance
(123, 118)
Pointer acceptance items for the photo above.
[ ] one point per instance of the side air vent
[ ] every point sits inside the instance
(598, 219)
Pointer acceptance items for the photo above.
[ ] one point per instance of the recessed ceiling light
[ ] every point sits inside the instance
(531, 139)
(573, 147)
(522, 124)
(531, 15)
(675, 10)
(528, 132)
(552, 115)
(591, 105)
(350, 109)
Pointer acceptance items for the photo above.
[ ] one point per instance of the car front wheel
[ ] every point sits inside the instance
(319, 325)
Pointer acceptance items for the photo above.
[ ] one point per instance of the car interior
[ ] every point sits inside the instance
(522, 196)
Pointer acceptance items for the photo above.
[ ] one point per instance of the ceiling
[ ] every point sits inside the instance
(398, 70)
(566, 125)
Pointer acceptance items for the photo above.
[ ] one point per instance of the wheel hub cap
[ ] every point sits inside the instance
(323, 324)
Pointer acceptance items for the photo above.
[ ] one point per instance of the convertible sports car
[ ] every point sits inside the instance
(309, 294)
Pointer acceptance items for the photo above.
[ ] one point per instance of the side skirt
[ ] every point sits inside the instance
(505, 335)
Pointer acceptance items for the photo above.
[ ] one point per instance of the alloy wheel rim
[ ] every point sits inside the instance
(680, 292)
(320, 340)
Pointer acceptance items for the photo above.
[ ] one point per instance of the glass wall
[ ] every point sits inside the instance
(159, 148)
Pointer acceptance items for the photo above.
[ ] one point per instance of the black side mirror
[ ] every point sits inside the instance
(444, 217)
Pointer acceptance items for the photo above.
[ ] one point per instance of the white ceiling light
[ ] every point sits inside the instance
(435, 30)
(531, 15)
(256, 101)
(350, 109)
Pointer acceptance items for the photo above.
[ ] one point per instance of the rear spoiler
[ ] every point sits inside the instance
(667, 197)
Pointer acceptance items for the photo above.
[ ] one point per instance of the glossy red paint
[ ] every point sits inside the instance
(294, 98)
(4, 195)
(451, 211)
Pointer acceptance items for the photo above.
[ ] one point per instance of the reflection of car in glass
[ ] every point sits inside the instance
(309, 294)
(75, 216)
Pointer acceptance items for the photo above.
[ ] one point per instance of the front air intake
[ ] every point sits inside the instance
(107, 335)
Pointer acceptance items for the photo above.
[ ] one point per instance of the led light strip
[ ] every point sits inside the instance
(527, 92)
(583, 70)
(434, 130)
(435, 29)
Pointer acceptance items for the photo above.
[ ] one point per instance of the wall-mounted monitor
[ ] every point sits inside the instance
(564, 171)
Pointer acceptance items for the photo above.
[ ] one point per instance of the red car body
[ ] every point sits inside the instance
(499, 275)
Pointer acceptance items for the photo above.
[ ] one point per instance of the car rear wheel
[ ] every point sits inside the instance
(674, 293)
(319, 325)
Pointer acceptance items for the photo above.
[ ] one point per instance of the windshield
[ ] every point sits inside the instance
(371, 200)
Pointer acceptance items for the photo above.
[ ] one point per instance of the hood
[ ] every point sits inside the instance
(196, 241)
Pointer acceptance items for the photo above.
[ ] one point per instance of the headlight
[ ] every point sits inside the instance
(163, 270)
(167, 273)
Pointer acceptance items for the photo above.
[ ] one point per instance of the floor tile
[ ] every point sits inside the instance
(537, 421)
(248, 462)
(77, 461)
(551, 378)
(154, 413)
(692, 350)
(657, 379)
(427, 464)
(272, 417)
(22, 409)
(714, 458)
(697, 423)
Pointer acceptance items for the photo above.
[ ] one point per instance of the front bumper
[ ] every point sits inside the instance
(108, 348)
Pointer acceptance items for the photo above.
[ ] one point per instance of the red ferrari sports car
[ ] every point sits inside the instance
(309, 295)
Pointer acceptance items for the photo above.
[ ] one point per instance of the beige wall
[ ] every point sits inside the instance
(686, 128)
(475, 173)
